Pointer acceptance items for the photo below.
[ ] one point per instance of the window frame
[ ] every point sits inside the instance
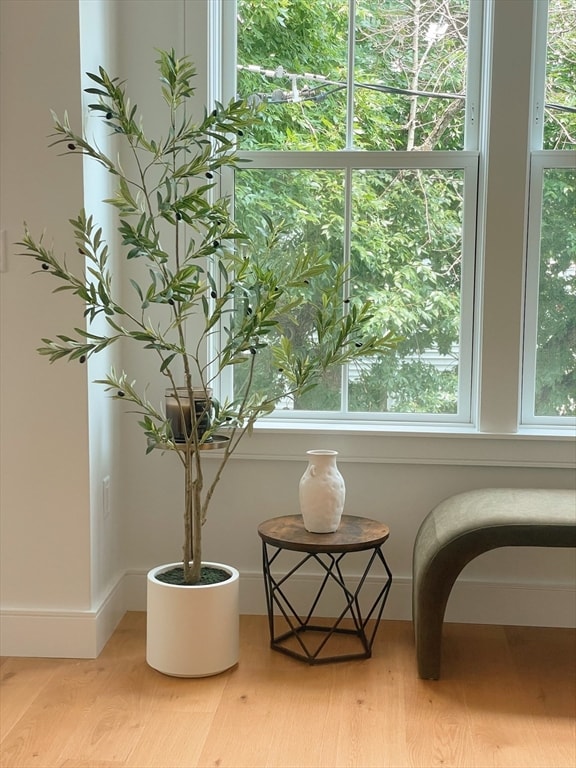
(502, 290)
(540, 161)
(349, 160)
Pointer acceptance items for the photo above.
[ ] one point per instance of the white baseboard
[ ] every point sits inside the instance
(62, 634)
(110, 613)
(471, 602)
(531, 605)
(83, 634)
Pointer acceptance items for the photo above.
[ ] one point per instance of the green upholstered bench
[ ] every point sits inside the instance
(464, 526)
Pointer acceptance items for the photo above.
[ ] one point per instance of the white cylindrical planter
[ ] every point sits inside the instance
(192, 631)
(322, 492)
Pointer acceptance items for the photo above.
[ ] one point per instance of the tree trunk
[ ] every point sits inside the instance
(192, 554)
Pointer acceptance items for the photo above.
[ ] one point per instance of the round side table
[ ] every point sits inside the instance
(327, 550)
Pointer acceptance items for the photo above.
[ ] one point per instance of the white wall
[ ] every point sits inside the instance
(51, 513)
(394, 479)
(45, 536)
(98, 47)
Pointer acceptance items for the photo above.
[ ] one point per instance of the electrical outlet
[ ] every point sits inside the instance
(106, 497)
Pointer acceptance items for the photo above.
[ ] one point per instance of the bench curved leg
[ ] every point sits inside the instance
(433, 582)
(429, 609)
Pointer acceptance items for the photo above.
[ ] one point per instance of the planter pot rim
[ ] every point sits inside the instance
(234, 576)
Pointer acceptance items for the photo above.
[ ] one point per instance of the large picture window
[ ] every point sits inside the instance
(381, 120)
(549, 394)
(367, 150)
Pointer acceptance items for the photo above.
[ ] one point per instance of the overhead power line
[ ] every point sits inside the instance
(326, 87)
(306, 93)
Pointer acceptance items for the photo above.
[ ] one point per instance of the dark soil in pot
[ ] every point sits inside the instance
(209, 575)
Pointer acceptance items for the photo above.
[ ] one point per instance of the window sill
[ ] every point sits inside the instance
(438, 429)
(451, 445)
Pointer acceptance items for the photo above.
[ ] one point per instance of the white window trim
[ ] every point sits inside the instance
(503, 184)
(540, 161)
(503, 213)
(348, 160)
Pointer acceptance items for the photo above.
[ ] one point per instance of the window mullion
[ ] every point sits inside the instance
(531, 311)
(474, 77)
(539, 74)
(504, 200)
(347, 255)
(350, 74)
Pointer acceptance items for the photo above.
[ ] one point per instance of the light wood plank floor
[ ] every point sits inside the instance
(507, 698)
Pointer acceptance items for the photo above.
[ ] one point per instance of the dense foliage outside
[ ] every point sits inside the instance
(555, 391)
(404, 240)
(556, 349)
(403, 49)
(560, 113)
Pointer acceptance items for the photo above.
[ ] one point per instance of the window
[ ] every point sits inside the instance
(558, 26)
(550, 340)
(363, 152)
(376, 118)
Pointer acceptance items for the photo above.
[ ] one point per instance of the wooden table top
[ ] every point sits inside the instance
(353, 535)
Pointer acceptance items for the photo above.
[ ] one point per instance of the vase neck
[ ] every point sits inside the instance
(322, 458)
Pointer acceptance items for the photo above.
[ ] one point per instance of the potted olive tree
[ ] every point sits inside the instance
(191, 273)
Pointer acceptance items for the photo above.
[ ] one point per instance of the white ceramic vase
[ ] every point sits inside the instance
(322, 492)
(192, 631)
